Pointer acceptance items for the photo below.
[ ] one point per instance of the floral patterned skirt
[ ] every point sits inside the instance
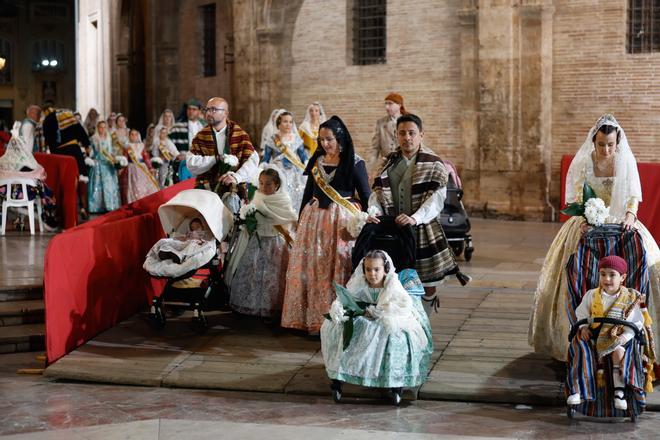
(320, 256)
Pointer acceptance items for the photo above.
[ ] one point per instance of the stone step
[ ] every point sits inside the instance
(21, 312)
(22, 293)
(19, 338)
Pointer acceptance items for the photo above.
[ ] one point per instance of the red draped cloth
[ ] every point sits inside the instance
(93, 273)
(649, 208)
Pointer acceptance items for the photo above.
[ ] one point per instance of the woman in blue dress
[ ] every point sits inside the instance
(103, 184)
(285, 149)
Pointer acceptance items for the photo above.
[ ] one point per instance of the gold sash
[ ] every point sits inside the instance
(107, 156)
(332, 193)
(141, 167)
(291, 157)
(287, 237)
(163, 151)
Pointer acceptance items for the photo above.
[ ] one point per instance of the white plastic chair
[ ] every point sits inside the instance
(23, 202)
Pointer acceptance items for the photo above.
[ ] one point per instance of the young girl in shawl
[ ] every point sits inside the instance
(285, 149)
(140, 181)
(163, 148)
(103, 184)
(257, 270)
(391, 342)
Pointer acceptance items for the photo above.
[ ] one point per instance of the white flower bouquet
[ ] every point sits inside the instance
(230, 159)
(90, 162)
(121, 162)
(596, 212)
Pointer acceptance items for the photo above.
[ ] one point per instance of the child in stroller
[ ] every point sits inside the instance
(610, 354)
(376, 333)
(192, 265)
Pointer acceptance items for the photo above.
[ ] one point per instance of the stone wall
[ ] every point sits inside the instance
(505, 87)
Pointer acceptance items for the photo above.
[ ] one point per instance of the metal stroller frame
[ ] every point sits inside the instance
(607, 239)
(455, 221)
(174, 216)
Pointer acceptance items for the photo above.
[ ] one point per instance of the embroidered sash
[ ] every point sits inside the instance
(291, 157)
(107, 156)
(285, 234)
(163, 151)
(332, 193)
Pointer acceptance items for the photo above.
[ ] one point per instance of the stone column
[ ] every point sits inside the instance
(503, 105)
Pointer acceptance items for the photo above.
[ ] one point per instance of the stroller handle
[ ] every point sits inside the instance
(639, 335)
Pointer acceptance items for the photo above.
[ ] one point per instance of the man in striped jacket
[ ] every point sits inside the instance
(182, 134)
(222, 153)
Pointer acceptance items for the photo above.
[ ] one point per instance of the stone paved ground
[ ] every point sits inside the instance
(480, 335)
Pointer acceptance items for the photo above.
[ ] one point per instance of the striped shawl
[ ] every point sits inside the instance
(434, 258)
(238, 144)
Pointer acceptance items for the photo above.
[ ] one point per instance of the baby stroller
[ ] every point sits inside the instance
(454, 218)
(192, 282)
(582, 275)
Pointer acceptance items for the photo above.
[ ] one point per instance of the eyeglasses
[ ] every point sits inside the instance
(214, 109)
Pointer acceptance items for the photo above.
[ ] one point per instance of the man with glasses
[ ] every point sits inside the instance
(209, 158)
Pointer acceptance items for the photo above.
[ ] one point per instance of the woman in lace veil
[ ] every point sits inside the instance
(606, 162)
(309, 128)
(269, 130)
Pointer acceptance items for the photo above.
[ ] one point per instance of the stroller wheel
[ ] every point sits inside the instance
(335, 386)
(468, 253)
(457, 247)
(570, 411)
(199, 322)
(396, 396)
(156, 316)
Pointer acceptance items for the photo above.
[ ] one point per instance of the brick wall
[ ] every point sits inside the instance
(422, 65)
(593, 74)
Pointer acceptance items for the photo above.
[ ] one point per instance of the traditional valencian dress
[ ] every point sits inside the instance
(321, 254)
(103, 190)
(391, 349)
(140, 181)
(307, 133)
(282, 152)
(549, 323)
(257, 268)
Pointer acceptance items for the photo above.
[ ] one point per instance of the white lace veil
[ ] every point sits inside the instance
(18, 153)
(159, 125)
(626, 176)
(306, 124)
(270, 128)
(264, 166)
(358, 282)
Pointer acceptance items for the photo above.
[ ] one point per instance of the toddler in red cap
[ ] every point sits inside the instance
(610, 299)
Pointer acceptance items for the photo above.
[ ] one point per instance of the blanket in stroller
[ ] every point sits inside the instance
(185, 256)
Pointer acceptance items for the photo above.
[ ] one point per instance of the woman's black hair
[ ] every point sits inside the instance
(377, 254)
(273, 174)
(607, 129)
(409, 117)
(278, 121)
(344, 171)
